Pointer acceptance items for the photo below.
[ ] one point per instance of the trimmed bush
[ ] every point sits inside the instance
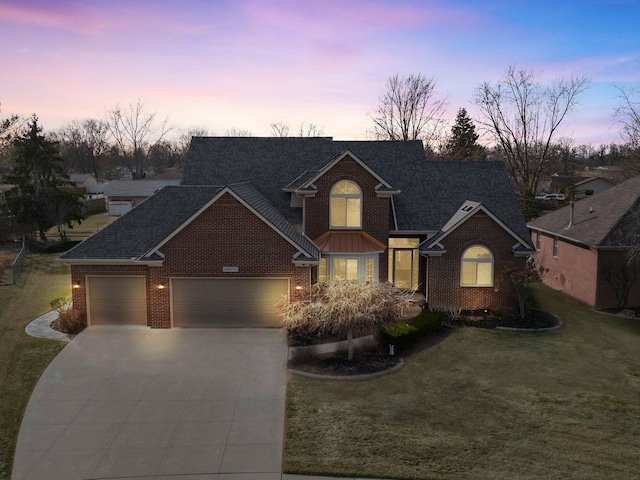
(71, 321)
(404, 334)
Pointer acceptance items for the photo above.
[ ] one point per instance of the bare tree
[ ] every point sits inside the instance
(84, 145)
(237, 132)
(279, 129)
(135, 132)
(409, 109)
(8, 129)
(627, 114)
(523, 116)
(310, 130)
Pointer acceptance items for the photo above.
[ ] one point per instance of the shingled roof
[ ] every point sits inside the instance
(431, 192)
(135, 236)
(609, 218)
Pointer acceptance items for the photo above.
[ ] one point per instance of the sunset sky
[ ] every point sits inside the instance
(248, 63)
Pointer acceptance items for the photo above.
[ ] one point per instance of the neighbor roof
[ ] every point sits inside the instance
(136, 188)
(431, 192)
(609, 218)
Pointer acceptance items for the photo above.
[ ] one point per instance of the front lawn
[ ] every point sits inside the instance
(24, 358)
(483, 404)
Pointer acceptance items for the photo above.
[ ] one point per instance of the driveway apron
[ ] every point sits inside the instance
(133, 402)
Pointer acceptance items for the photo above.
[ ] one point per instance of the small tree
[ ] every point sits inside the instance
(463, 141)
(346, 308)
(520, 279)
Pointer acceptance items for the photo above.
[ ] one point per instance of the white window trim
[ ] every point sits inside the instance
(347, 196)
(478, 260)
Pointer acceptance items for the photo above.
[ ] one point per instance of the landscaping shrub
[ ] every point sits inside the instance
(345, 308)
(69, 320)
(404, 334)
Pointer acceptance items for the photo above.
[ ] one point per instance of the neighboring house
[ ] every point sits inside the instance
(585, 186)
(259, 220)
(88, 183)
(123, 195)
(4, 188)
(591, 186)
(584, 248)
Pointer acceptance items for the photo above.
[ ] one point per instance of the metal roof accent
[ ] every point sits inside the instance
(340, 241)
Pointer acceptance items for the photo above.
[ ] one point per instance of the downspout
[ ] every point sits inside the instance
(304, 215)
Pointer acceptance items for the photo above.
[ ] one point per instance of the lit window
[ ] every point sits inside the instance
(345, 268)
(369, 270)
(345, 209)
(555, 247)
(348, 268)
(477, 267)
(322, 270)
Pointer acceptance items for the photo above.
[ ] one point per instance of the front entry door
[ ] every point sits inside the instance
(403, 268)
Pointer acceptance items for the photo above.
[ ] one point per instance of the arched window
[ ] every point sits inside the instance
(477, 267)
(345, 207)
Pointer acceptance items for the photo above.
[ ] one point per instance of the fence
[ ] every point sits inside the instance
(18, 263)
(93, 205)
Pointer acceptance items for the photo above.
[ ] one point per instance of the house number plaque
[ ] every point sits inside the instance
(229, 269)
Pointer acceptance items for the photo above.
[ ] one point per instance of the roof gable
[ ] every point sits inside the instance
(383, 185)
(467, 210)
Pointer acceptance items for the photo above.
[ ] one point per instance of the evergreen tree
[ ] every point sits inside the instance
(462, 144)
(37, 171)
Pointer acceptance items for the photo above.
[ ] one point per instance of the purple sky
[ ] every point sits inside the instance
(248, 63)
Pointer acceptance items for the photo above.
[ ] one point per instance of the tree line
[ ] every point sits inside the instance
(519, 117)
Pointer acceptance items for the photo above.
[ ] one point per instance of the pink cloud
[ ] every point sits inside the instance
(80, 18)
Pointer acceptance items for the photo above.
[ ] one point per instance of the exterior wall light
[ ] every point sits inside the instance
(298, 287)
(76, 285)
(161, 286)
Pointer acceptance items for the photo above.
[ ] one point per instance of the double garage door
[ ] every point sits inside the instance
(195, 302)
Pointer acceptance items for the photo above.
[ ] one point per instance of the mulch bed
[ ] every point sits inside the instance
(534, 319)
(362, 363)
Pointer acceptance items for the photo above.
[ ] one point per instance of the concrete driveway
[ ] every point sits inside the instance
(132, 402)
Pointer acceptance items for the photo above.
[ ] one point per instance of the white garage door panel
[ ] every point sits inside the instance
(117, 300)
(200, 302)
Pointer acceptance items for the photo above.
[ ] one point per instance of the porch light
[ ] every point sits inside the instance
(76, 285)
(161, 286)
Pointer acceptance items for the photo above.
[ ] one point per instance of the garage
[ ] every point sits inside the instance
(227, 302)
(117, 300)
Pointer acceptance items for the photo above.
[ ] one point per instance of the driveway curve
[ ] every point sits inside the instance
(133, 402)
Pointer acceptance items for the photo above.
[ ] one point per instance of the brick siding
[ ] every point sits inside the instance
(444, 272)
(227, 234)
(375, 210)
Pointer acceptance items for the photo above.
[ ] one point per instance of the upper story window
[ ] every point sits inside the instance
(555, 247)
(477, 267)
(345, 207)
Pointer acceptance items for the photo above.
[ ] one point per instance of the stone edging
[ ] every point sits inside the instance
(364, 376)
(549, 329)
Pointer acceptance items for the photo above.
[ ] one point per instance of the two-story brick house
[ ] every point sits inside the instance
(259, 220)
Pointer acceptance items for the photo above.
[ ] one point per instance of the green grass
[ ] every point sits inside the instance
(483, 404)
(24, 358)
(88, 227)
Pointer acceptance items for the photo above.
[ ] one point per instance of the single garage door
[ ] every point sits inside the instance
(117, 300)
(225, 302)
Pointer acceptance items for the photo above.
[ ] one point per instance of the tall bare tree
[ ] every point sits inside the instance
(523, 117)
(84, 145)
(135, 132)
(8, 128)
(410, 109)
(627, 114)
